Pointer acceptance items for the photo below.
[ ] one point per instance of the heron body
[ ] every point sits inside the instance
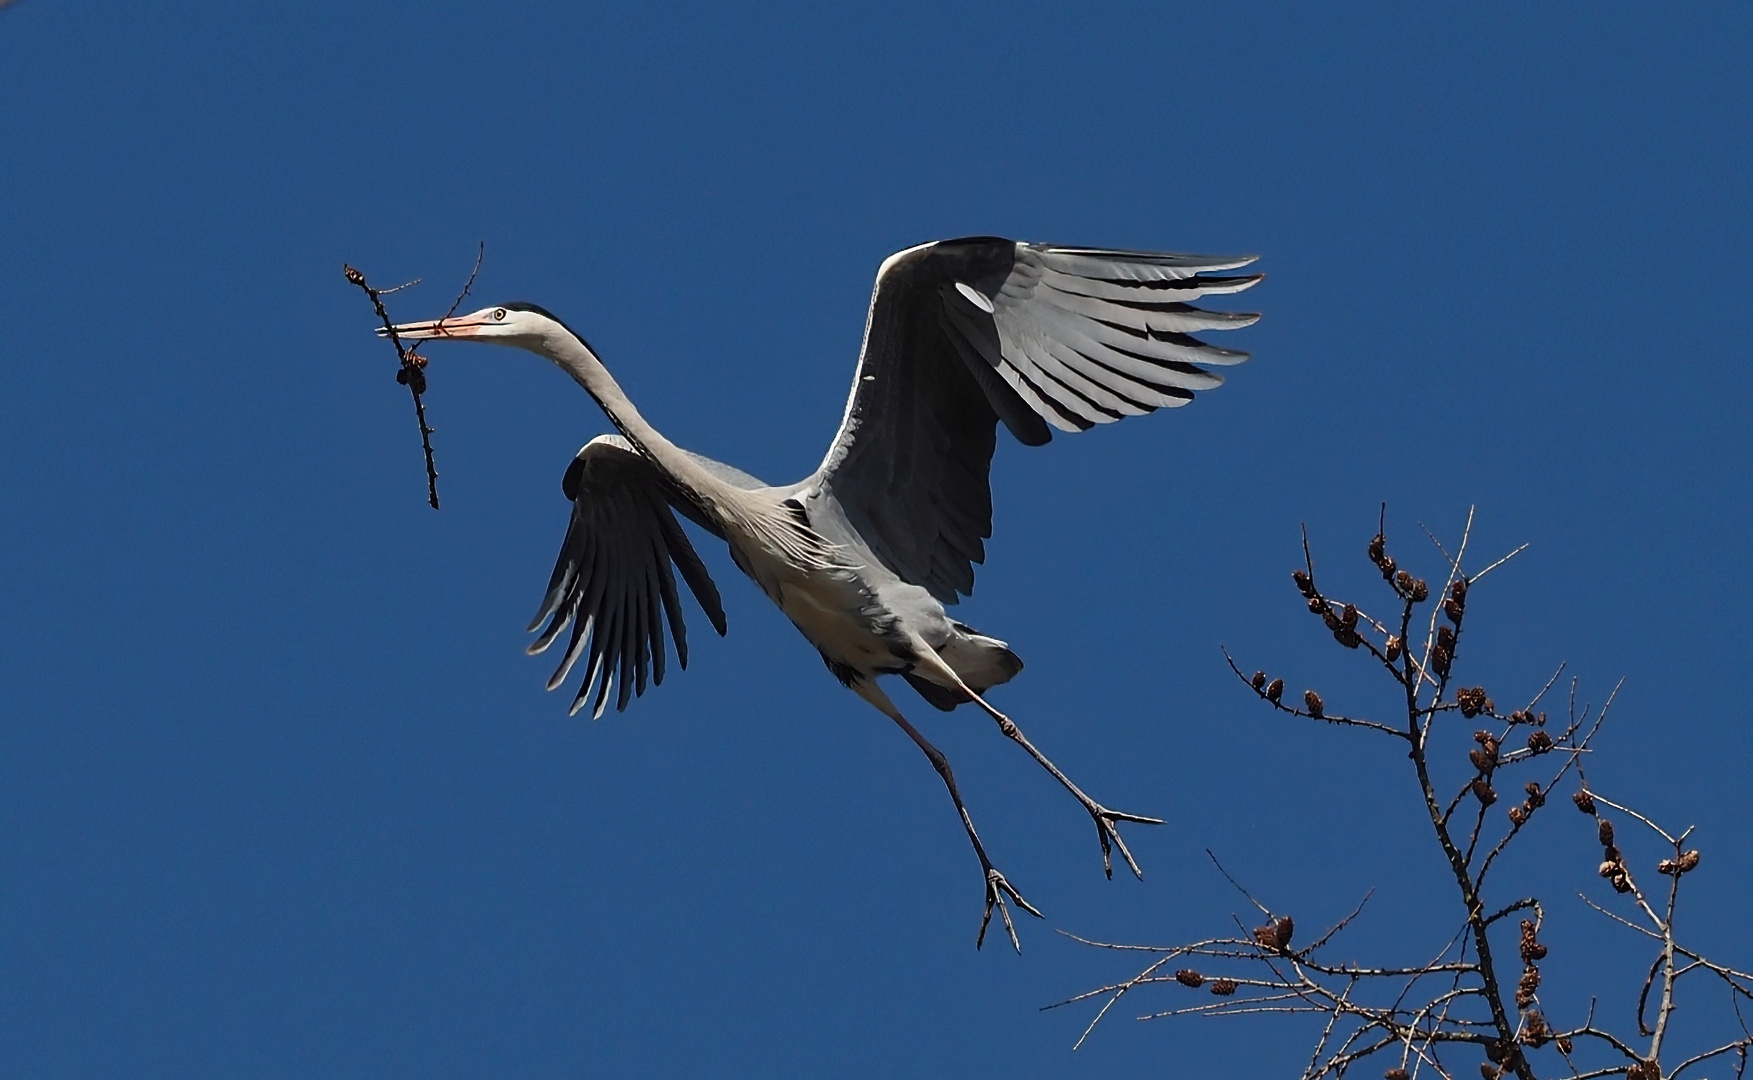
(864, 554)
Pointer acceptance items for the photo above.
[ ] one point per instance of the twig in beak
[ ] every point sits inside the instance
(412, 373)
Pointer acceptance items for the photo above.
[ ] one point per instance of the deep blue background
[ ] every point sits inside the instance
(281, 796)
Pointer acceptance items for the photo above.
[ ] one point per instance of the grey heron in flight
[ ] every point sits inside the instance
(864, 554)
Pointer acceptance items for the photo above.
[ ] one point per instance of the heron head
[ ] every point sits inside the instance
(506, 324)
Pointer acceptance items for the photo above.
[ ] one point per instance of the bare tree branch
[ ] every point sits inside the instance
(1468, 997)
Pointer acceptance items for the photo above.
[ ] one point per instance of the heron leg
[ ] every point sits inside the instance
(932, 666)
(997, 887)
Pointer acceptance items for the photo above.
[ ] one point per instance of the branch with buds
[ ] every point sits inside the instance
(1465, 1000)
(412, 372)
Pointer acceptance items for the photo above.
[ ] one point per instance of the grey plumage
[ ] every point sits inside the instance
(1074, 337)
(865, 552)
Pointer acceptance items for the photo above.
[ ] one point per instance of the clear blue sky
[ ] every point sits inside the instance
(280, 795)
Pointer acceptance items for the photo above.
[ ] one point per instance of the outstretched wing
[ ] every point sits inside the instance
(964, 333)
(612, 583)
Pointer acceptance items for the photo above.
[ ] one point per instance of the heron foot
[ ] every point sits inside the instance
(997, 888)
(1108, 832)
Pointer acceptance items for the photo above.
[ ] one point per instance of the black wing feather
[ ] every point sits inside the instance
(613, 585)
(965, 333)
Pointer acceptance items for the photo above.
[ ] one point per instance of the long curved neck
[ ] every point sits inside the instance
(576, 359)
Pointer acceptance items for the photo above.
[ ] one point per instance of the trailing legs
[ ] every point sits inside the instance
(931, 666)
(997, 888)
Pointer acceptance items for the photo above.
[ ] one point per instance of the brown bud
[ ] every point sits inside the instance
(1396, 1073)
(1313, 701)
(1223, 987)
(1620, 883)
(1536, 797)
(1317, 605)
(1443, 654)
(1472, 701)
(1518, 815)
(1482, 791)
(1667, 866)
(1531, 948)
(1420, 591)
(1378, 547)
(1584, 801)
(1387, 565)
(1688, 862)
(1458, 591)
(1496, 1051)
(1564, 1044)
(353, 275)
(1608, 868)
(1348, 615)
(1275, 691)
(1331, 618)
(1275, 935)
(1611, 854)
(1304, 583)
(1189, 978)
(1403, 582)
(1393, 649)
(1347, 637)
(1535, 1030)
(1259, 680)
(1539, 742)
(1484, 758)
(1604, 830)
(1453, 611)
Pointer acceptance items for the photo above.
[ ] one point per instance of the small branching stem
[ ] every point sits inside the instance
(1464, 997)
(412, 373)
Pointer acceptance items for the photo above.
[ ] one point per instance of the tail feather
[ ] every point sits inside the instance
(980, 661)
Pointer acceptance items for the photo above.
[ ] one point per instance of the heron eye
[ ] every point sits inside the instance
(498, 314)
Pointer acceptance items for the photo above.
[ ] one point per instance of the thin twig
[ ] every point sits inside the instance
(1470, 1005)
(1238, 885)
(413, 369)
(1474, 578)
(412, 375)
(481, 253)
(1738, 1044)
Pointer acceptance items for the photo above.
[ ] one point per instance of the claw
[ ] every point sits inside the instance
(1108, 832)
(997, 888)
